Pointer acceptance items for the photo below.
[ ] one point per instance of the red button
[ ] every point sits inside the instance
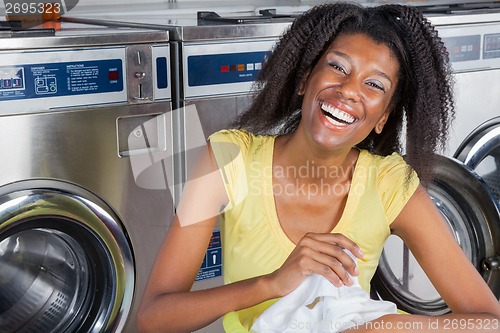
(113, 75)
(224, 68)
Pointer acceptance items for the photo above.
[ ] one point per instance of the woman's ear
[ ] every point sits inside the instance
(302, 86)
(381, 122)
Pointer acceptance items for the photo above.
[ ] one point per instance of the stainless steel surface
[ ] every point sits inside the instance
(66, 167)
(214, 113)
(140, 84)
(480, 143)
(47, 284)
(68, 38)
(480, 151)
(187, 30)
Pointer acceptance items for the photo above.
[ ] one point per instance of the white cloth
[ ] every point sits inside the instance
(317, 306)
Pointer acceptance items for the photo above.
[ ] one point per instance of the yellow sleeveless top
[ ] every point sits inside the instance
(252, 239)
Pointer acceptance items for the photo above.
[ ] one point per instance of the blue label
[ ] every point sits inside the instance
(161, 73)
(60, 79)
(212, 264)
(224, 68)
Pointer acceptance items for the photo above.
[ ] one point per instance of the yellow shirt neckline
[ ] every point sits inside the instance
(270, 205)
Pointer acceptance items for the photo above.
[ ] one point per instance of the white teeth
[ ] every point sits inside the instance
(344, 116)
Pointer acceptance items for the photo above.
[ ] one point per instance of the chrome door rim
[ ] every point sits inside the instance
(479, 143)
(23, 204)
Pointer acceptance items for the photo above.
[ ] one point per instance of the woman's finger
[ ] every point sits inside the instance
(340, 240)
(334, 250)
(331, 268)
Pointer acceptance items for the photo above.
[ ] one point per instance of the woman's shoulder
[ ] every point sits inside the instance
(384, 162)
(389, 168)
(391, 171)
(231, 135)
(240, 137)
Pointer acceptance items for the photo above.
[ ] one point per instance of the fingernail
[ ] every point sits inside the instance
(356, 271)
(360, 253)
(349, 281)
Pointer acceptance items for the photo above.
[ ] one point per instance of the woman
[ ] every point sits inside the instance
(337, 89)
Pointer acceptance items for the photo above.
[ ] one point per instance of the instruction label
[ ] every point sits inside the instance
(212, 264)
(60, 79)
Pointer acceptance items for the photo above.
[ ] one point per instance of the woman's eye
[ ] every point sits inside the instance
(338, 67)
(376, 85)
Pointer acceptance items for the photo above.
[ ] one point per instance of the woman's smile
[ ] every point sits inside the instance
(348, 93)
(335, 115)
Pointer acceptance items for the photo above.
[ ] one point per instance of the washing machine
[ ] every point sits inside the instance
(217, 52)
(466, 188)
(79, 226)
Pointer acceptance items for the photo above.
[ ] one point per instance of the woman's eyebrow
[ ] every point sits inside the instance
(383, 74)
(341, 54)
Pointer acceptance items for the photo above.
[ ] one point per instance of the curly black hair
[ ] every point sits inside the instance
(423, 99)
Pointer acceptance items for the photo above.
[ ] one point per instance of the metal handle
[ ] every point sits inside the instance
(140, 75)
(491, 263)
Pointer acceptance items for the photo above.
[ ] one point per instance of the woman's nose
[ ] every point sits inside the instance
(349, 88)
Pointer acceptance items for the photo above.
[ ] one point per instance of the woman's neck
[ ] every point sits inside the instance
(312, 162)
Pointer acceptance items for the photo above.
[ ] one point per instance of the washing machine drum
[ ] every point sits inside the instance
(472, 213)
(66, 265)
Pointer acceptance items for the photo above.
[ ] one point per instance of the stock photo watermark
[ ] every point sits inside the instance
(34, 8)
(153, 157)
(432, 324)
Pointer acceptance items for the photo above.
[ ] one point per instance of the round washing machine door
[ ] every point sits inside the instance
(480, 151)
(472, 214)
(66, 264)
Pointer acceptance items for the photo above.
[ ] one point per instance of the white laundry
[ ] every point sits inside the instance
(317, 306)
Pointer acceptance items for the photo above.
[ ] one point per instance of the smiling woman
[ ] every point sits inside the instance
(349, 91)
(312, 172)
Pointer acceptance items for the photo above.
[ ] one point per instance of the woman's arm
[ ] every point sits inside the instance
(168, 305)
(474, 307)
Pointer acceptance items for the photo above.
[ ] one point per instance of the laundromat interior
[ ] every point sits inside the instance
(102, 104)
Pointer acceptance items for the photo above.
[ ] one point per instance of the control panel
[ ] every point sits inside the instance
(224, 68)
(491, 46)
(35, 81)
(214, 69)
(25, 81)
(472, 47)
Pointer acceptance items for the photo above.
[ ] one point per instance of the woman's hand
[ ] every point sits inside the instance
(317, 254)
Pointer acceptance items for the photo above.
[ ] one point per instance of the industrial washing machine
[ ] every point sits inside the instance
(467, 185)
(216, 56)
(78, 230)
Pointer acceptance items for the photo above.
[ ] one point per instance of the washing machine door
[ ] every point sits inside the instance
(472, 214)
(480, 151)
(66, 264)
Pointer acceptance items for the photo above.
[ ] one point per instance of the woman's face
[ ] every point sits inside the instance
(348, 92)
